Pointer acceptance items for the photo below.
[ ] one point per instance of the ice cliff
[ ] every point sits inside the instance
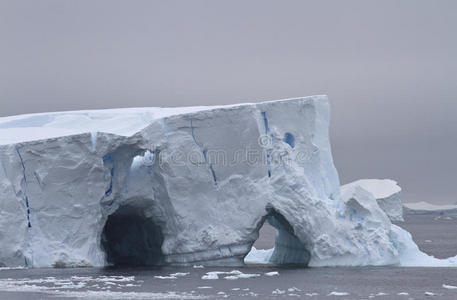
(183, 186)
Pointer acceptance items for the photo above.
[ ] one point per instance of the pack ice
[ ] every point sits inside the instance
(187, 186)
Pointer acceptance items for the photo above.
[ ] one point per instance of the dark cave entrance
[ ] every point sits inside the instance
(129, 238)
(277, 233)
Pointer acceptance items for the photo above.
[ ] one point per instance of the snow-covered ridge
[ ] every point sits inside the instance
(119, 121)
(181, 187)
(122, 121)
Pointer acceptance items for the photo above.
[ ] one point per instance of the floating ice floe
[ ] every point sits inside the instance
(278, 292)
(270, 274)
(165, 277)
(311, 294)
(180, 274)
(232, 275)
(338, 294)
(81, 287)
(449, 287)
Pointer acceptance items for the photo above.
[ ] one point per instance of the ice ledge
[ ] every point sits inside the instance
(120, 121)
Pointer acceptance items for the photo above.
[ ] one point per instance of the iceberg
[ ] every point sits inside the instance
(423, 206)
(186, 186)
(387, 194)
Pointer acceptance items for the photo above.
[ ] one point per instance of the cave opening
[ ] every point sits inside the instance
(130, 238)
(277, 244)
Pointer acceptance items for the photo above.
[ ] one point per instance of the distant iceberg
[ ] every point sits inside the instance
(185, 186)
(425, 206)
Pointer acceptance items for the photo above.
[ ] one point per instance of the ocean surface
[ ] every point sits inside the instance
(435, 233)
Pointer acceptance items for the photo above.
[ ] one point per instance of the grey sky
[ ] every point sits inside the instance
(389, 68)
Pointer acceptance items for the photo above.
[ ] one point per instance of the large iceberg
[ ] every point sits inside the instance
(181, 186)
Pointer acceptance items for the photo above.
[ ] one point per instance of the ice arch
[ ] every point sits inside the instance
(288, 249)
(129, 238)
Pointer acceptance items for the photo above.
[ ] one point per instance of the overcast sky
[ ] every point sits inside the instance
(388, 67)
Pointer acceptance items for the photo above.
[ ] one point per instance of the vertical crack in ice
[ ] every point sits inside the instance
(213, 173)
(267, 131)
(108, 158)
(26, 198)
(210, 165)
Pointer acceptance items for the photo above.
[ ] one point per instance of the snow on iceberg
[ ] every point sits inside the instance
(185, 186)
